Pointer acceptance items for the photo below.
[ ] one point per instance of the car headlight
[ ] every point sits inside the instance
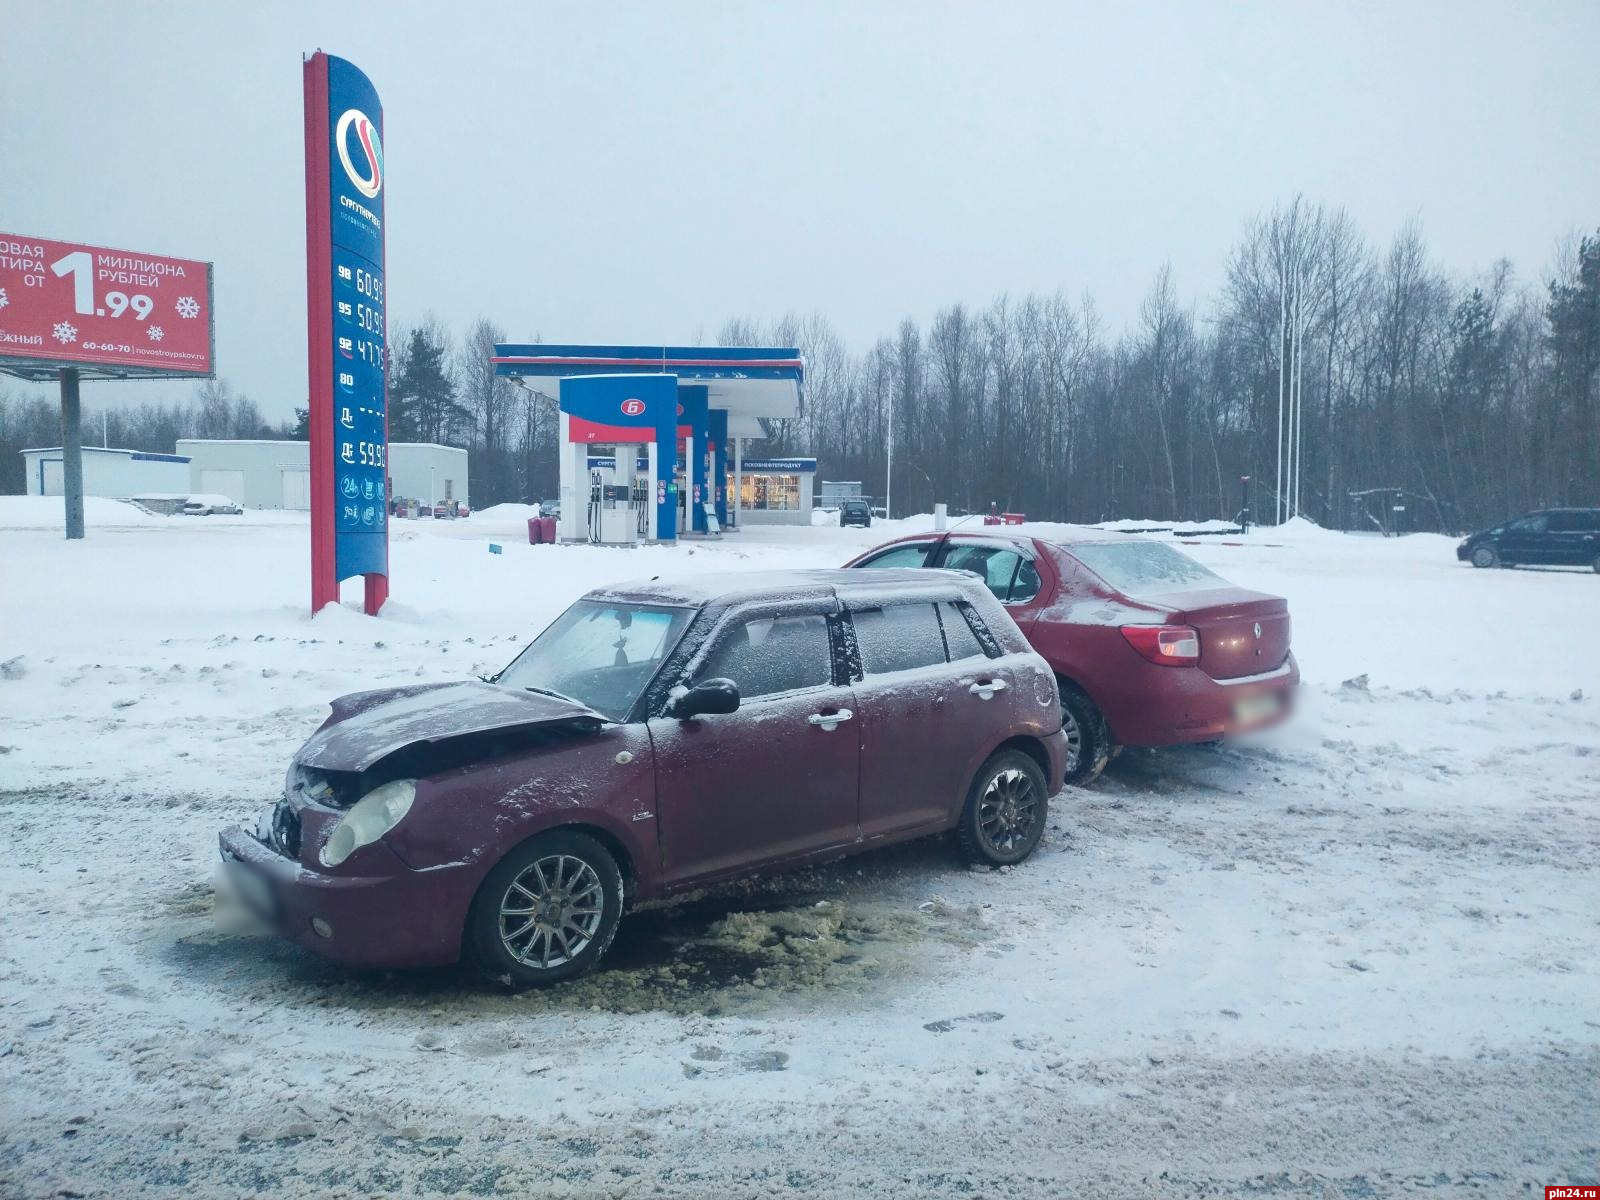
(369, 818)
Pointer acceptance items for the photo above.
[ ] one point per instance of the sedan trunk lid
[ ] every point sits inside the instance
(1242, 633)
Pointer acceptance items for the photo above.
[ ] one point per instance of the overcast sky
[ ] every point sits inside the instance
(620, 172)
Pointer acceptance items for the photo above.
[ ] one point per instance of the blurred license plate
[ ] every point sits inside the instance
(247, 887)
(1249, 709)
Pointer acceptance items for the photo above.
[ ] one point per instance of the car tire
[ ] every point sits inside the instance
(578, 874)
(1089, 746)
(1485, 556)
(1006, 810)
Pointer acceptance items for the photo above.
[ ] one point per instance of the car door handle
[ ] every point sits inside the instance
(985, 689)
(828, 722)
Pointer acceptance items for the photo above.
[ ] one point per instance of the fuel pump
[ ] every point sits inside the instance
(595, 486)
(641, 501)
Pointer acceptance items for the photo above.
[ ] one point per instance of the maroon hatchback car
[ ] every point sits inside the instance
(1149, 647)
(657, 737)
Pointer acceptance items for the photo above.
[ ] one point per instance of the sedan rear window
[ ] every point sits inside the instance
(1145, 568)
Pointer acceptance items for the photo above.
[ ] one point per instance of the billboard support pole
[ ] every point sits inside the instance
(72, 452)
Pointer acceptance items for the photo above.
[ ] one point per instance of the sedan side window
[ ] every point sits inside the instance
(914, 555)
(901, 637)
(769, 655)
(1026, 585)
(996, 567)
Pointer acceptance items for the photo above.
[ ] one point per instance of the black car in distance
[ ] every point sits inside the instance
(855, 512)
(1552, 537)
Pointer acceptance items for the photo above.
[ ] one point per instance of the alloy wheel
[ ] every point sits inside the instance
(1008, 809)
(552, 911)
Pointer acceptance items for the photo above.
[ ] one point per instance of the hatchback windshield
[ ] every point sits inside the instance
(599, 653)
(1145, 568)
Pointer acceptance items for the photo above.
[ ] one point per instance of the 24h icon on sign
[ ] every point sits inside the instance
(632, 408)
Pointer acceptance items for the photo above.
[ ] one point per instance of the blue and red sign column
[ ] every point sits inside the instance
(347, 332)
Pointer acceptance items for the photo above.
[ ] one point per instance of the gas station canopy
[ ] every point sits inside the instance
(744, 381)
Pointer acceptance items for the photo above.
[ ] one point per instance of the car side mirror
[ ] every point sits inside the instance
(710, 696)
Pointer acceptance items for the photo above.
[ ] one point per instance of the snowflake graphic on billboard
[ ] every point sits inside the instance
(188, 307)
(4, 299)
(155, 333)
(64, 332)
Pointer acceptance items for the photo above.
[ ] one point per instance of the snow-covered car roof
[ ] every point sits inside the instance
(1055, 533)
(745, 586)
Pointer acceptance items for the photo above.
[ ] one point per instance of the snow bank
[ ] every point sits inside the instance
(1394, 901)
(506, 513)
(50, 512)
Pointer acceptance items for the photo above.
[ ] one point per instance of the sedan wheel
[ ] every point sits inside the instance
(1484, 556)
(547, 912)
(1006, 810)
(1088, 739)
(1074, 736)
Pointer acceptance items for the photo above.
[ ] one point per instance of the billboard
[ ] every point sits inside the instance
(347, 330)
(108, 312)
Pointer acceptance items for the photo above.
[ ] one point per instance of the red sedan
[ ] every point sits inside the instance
(1149, 647)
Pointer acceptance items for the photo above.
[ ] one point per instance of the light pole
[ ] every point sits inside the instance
(888, 473)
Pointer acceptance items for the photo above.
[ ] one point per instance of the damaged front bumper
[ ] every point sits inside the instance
(388, 915)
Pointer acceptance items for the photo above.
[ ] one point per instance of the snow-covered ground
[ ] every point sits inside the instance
(1353, 958)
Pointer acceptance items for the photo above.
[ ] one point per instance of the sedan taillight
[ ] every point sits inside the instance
(1165, 645)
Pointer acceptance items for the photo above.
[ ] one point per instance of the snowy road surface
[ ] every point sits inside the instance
(1353, 959)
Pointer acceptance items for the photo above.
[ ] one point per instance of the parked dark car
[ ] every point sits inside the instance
(1149, 647)
(657, 737)
(855, 512)
(1552, 537)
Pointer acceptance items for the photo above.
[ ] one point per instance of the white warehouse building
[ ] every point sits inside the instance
(120, 474)
(274, 474)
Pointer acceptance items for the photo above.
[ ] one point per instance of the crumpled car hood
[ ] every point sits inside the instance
(367, 727)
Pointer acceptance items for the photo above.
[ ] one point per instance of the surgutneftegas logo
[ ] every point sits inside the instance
(370, 183)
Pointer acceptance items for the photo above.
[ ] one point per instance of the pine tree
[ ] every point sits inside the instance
(422, 399)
